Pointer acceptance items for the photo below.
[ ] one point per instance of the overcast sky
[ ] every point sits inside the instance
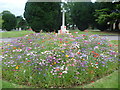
(14, 6)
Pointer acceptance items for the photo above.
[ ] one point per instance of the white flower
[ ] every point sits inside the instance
(64, 72)
(62, 67)
(13, 50)
(66, 68)
(28, 54)
(24, 71)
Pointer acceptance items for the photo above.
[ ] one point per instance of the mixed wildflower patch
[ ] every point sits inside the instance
(50, 60)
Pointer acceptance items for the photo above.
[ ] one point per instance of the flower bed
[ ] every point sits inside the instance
(49, 60)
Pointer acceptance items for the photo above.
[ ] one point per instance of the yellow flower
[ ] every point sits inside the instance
(8, 44)
(66, 55)
(72, 58)
(54, 63)
(16, 67)
(62, 51)
(83, 59)
(60, 45)
(18, 48)
(68, 64)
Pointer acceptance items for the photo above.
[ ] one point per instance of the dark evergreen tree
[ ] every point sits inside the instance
(44, 16)
(82, 14)
(21, 23)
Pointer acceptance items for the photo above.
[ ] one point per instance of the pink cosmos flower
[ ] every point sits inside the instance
(60, 73)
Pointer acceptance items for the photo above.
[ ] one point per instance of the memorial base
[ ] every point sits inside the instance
(63, 30)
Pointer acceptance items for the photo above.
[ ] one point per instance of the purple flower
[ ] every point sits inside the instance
(72, 54)
(61, 39)
(74, 42)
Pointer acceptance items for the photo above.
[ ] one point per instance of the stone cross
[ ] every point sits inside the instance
(63, 17)
(63, 27)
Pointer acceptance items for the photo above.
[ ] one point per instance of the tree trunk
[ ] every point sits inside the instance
(111, 27)
(117, 25)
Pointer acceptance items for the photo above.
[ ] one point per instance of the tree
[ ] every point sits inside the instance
(9, 20)
(44, 16)
(82, 14)
(1, 21)
(109, 13)
(21, 23)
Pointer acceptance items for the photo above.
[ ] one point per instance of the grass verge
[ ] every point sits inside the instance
(110, 81)
(11, 34)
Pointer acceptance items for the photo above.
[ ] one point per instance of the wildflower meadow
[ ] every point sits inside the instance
(48, 60)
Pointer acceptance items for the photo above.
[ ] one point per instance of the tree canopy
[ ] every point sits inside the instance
(82, 14)
(9, 20)
(110, 13)
(21, 23)
(44, 16)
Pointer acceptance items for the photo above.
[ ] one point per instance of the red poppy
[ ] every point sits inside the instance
(60, 41)
(93, 52)
(98, 43)
(96, 53)
(28, 61)
(78, 53)
(84, 35)
(66, 41)
(92, 81)
(95, 56)
(96, 62)
(110, 45)
(14, 48)
(42, 46)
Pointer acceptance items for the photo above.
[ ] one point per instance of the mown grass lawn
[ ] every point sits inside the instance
(110, 81)
(11, 34)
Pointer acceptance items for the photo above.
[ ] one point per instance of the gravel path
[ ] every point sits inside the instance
(11, 39)
(7, 39)
(112, 37)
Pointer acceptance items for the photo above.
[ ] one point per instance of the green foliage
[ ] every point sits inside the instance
(21, 23)
(82, 14)
(1, 21)
(108, 12)
(43, 15)
(9, 20)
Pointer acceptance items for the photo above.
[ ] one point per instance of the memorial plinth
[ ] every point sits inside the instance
(63, 27)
